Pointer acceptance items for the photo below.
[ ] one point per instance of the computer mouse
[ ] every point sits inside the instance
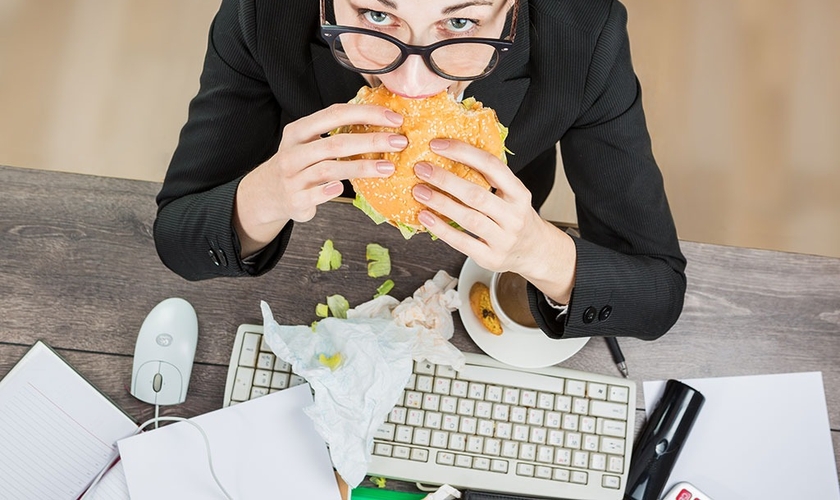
(164, 353)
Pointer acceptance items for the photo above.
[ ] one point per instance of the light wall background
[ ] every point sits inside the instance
(742, 99)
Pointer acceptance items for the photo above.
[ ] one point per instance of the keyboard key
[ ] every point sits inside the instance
(528, 451)
(598, 461)
(422, 437)
(463, 461)
(459, 388)
(608, 410)
(476, 390)
(265, 361)
(442, 385)
(445, 458)
(397, 415)
(510, 396)
(382, 449)
(446, 371)
(493, 394)
(611, 445)
(486, 428)
(385, 432)
(611, 481)
(499, 466)
(528, 398)
(413, 399)
(580, 459)
(433, 420)
(279, 380)
(575, 387)
(466, 407)
(431, 402)
(607, 427)
(258, 391)
(295, 380)
(579, 477)
(250, 347)
(440, 439)
(510, 449)
(561, 475)
(504, 430)
(424, 383)
(501, 412)
(282, 366)
(401, 452)
(450, 423)
(403, 434)
(545, 454)
(543, 472)
(415, 417)
(563, 404)
(524, 469)
(481, 463)
(475, 444)
(468, 425)
(615, 464)
(424, 368)
(618, 394)
(262, 378)
(562, 456)
(419, 455)
(242, 384)
(448, 404)
(483, 409)
(596, 390)
(492, 447)
(457, 442)
(545, 401)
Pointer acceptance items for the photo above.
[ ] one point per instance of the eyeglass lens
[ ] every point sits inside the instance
(371, 53)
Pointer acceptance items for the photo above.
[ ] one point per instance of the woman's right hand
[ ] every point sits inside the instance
(305, 172)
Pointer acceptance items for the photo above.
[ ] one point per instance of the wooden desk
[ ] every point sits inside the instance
(78, 269)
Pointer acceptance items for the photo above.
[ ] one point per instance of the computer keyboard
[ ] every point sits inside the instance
(549, 432)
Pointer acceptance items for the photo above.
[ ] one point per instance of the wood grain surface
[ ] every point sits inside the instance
(78, 269)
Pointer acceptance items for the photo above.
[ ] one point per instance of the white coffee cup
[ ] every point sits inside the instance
(509, 298)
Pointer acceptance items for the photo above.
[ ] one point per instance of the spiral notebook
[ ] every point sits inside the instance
(57, 430)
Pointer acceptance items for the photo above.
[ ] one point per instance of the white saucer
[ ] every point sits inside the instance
(517, 346)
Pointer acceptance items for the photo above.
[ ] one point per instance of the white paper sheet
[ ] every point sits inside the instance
(57, 431)
(263, 448)
(765, 437)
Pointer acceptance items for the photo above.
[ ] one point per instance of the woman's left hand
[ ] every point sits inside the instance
(509, 235)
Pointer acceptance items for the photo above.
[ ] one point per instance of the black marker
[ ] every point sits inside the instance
(618, 357)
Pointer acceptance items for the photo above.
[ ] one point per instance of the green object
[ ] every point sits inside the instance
(361, 203)
(379, 260)
(329, 258)
(378, 494)
(322, 310)
(384, 288)
(338, 306)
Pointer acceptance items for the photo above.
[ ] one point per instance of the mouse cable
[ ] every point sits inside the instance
(155, 421)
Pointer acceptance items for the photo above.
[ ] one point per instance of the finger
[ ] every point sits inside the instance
(302, 204)
(474, 221)
(336, 170)
(345, 146)
(457, 239)
(476, 202)
(311, 127)
(494, 170)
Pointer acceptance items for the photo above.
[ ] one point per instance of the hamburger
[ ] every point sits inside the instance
(441, 116)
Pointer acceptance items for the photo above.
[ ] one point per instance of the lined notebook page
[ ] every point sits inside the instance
(57, 431)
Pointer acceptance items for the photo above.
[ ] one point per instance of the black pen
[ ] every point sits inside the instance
(617, 356)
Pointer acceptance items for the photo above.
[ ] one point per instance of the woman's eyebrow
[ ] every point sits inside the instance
(464, 5)
(389, 4)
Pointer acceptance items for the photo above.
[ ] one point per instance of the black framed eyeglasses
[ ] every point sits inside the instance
(371, 52)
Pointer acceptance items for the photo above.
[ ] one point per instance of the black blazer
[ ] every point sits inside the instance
(569, 78)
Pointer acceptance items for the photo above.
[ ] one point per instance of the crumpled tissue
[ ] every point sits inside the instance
(376, 344)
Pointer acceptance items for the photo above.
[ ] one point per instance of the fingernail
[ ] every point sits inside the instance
(394, 117)
(385, 167)
(333, 188)
(398, 141)
(439, 144)
(422, 192)
(423, 170)
(426, 219)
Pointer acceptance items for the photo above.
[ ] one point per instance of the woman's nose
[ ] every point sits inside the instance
(414, 79)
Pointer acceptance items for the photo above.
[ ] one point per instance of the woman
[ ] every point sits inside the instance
(252, 159)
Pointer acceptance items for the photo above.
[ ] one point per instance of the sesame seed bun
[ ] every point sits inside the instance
(439, 116)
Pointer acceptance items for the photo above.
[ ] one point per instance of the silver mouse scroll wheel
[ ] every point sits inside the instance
(157, 382)
(661, 446)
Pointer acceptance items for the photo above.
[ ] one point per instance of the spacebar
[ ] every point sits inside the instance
(488, 375)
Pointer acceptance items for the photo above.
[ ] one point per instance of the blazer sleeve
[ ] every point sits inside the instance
(630, 275)
(233, 126)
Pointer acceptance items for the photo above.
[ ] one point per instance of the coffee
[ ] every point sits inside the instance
(512, 296)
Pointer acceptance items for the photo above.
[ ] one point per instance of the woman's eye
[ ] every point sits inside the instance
(375, 17)
(460, 24)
